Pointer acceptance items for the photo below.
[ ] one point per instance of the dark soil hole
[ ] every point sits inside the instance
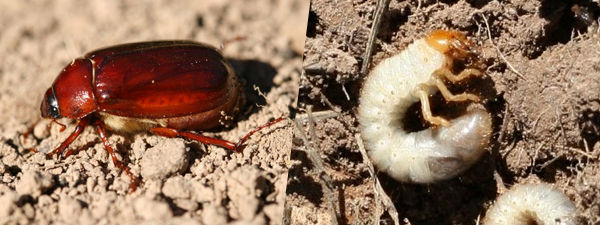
(566, 19)
(25, 199)
(590, 128)
(311, 29)
(13, 170)
(302, 185)
(12, 144)
(478, 3)
(392, 20)
(455, 201)
(548, 169)
(199, 21)
(177, 211)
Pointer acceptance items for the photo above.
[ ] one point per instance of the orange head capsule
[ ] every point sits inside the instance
(452, 43)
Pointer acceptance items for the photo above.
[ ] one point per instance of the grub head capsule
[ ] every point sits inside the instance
(452, 43)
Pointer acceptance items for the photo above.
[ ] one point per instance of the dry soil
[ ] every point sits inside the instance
(541, 84)
(183, 182)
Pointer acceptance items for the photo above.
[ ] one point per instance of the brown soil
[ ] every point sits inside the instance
(546, 110)
(183, 182)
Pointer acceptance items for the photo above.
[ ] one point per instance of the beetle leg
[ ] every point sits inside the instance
(28, 132)
(466, 73)
(236, 147)
(80, 126)
(454, 97)
(172, 133)
(426, 110)
(53, 121)
(30, 129)
(116, 162)
(240, 143)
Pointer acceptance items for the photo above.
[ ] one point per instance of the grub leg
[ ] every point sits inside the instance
(426, 110)
(454, 97)
(445, 73)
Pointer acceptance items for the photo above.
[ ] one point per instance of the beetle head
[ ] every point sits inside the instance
(49, 106)
(71, 95)
(453, 44)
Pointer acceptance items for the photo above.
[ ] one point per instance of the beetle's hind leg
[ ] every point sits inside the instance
(173, 133)
(236, 147)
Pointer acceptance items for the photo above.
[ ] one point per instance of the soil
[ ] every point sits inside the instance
(183, 182)
(541, 85)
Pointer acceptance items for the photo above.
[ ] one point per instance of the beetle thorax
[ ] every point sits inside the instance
(71, 95)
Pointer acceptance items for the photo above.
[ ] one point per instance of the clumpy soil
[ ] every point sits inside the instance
(541, 85)
(183, 182)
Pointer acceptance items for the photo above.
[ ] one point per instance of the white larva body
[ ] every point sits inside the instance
(526, 204)
(425, 156)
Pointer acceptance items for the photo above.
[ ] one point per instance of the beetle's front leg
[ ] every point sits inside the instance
(80, 126)
(101, 131)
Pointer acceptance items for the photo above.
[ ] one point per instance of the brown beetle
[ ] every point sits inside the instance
(163, 87)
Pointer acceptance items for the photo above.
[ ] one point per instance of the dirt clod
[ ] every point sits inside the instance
(39, 38)
(213, 215)
(34, 183)
(150, 209)
(166, 158)
(540, 86)
(176, 187)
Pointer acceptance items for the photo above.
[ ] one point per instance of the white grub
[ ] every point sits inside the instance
(527, 204)
(438, 153)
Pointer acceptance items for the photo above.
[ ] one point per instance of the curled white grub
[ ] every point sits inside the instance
(438, 153)
(528, 204)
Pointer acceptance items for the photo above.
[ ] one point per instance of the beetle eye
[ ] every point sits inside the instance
(50, 105)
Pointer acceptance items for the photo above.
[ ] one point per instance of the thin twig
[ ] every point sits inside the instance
(345, 92)
(379, 11)
(314, 157)
(317, 116)
(379, 192)
(577, 150)
(325, 100)
(489, 33)
(499, 182)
